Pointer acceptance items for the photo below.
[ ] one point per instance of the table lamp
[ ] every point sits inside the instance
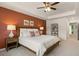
(41, 30)
(11, 27)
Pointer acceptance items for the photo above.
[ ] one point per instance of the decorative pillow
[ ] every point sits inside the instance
(32, 34)
(37, 33)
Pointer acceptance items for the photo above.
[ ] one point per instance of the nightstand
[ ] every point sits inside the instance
(11, 43)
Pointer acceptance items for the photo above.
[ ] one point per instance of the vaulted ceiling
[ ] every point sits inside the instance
(31, 8)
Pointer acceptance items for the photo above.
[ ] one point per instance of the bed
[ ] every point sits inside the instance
(39, 43)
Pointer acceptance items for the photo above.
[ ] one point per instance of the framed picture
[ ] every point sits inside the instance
(31, 23)
(26, 22)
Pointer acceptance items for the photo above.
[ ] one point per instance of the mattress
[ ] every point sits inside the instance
(39, 44)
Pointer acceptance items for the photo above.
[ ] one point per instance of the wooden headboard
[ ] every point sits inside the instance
(18, 29)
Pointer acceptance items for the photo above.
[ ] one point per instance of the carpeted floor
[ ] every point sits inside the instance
(69, 47)
(20, 51)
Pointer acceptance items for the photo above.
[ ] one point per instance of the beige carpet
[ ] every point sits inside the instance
(69, 47)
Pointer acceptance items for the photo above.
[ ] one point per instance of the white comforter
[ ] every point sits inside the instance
(39, 44)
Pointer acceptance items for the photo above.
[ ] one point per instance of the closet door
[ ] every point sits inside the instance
(54, 29)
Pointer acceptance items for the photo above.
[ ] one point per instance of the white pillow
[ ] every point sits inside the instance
(24, 33)
(21, 31)
(20, 34)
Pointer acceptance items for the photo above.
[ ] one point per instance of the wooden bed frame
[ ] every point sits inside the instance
(48, 50)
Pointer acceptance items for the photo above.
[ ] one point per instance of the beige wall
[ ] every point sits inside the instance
(63, 25)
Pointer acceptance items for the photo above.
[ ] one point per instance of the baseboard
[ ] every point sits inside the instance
(2, 49)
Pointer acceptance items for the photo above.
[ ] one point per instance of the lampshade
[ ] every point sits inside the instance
(11, 27)
(41, 28)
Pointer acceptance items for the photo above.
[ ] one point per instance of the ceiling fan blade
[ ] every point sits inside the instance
(55, 3)
(40, 7)
(53, 8)
(44, 2)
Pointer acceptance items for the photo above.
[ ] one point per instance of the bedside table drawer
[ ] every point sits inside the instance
(11, 41)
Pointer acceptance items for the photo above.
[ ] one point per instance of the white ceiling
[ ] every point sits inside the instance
(31, 8)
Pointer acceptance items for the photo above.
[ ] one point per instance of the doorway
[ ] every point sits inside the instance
(73, 30)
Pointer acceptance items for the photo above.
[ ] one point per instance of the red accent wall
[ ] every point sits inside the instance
(8, 16)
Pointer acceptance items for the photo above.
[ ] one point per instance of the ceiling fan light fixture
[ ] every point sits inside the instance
(47, 9)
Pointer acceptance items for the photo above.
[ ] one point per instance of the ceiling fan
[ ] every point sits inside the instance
(48, 6)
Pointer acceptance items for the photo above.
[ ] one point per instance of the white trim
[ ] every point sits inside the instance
(2, 49)
(68, 13)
